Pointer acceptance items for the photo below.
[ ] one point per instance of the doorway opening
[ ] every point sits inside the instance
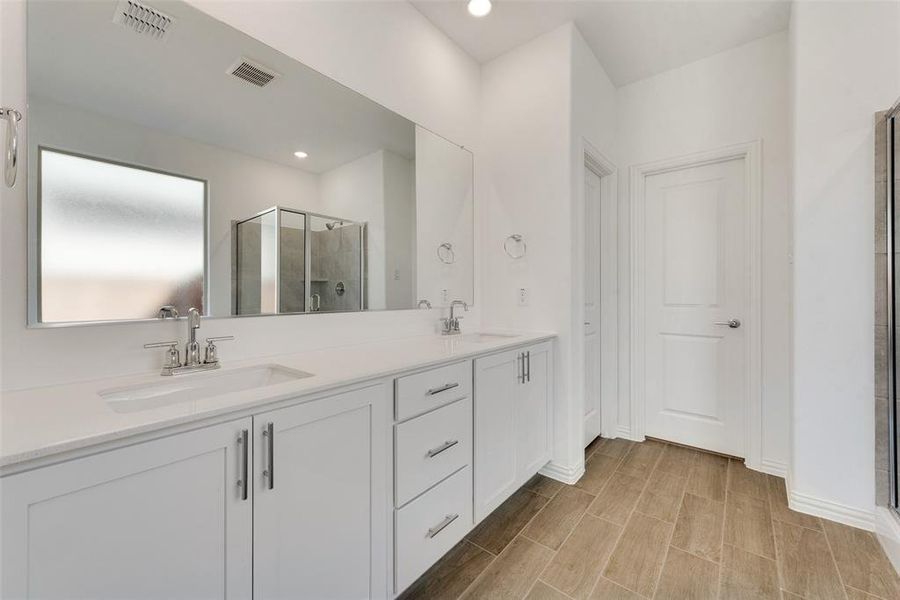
(599, 282)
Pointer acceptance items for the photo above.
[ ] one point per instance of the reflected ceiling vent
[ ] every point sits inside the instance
(142, 19)
(252, 72)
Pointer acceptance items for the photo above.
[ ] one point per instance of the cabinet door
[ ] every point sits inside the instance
(321, 493)
(160, 519)
(533, 422)
(497, 383)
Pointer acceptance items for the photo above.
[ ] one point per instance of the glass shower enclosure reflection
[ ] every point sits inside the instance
(291, 261)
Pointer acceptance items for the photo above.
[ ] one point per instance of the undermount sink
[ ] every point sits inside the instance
(187, 388)
(484, 338)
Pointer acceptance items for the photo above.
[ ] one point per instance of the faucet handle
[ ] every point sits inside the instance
(173, 357)
(160, 345)
(212, 353)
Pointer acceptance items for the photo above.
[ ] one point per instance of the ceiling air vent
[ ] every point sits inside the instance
(252, 72)
(142, 19)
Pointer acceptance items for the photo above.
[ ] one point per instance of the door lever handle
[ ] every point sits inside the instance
(733, 323)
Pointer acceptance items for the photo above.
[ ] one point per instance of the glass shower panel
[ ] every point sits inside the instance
(256, 241)
(292, 263)
(336, 265)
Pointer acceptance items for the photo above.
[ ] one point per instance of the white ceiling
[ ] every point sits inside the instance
(78, 56)
(631, 39)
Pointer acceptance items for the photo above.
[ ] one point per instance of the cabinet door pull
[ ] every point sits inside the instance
(440, 526)
(269, 472)
(528, 360)
(243, 443)
(520, 363)
(445, 446)
(443, 388)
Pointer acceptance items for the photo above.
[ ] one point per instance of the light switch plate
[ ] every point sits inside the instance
(522, 296)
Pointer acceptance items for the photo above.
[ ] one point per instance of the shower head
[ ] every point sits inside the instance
(333, 224)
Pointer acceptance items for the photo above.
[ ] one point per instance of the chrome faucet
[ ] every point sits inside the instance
(192, 361)
(450, 326)
(423, 304)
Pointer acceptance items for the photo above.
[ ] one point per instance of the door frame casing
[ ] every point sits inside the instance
(751, 154)
(592, 158)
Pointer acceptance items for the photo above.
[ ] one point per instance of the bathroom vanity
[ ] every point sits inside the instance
(342, 472)
(346, 476)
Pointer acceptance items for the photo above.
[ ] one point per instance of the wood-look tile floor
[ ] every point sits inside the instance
(655, 520)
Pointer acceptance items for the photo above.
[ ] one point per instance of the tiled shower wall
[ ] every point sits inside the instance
(882, 478)
(336, 258)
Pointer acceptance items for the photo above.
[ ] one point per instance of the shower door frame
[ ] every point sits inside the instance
(307, 259)
(890, 123)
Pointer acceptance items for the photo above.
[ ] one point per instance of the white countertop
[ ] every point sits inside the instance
(40, 422)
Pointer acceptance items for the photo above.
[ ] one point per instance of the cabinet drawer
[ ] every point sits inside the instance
(430, 525)
(422, 392)
(430, 447)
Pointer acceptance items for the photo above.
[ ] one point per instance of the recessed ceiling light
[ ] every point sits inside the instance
(300, 154)
(479, 8)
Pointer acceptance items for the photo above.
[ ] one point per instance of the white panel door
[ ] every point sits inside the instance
(696, 281)
(592, 314)
(161, 519)
(320, 501)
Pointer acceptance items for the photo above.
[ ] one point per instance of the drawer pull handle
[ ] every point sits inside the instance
(269, 472)
(244, 443)
(445, 446)
(443, 524)
(443, 388)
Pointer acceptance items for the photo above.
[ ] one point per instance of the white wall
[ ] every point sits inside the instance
(846, 66)
(387, 51)
(735, 96)
(531, 126)
(399, 235)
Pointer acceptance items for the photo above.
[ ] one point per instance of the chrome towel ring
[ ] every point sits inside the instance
(11, 164)
(446, 254)
(515, 246)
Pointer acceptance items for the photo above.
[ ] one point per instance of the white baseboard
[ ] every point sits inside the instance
(773, 467)
(567, 475)
(833, 511)
(624, 432)
(887, 529)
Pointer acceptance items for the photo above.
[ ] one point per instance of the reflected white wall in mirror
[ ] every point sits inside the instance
(444, 216)
(117, 242)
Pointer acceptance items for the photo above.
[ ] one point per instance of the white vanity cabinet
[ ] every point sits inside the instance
(513, 392)
(432, 467)
(321, 499)
(343, 493)
(168, 519)
(159, 519)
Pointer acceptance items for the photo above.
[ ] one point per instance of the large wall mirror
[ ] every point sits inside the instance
(177, 162)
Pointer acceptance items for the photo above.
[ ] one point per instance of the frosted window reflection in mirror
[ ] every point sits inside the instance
(116, 241)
